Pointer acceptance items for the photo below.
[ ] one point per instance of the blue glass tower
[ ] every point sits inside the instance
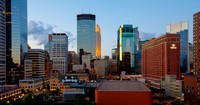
(86, 33)
(126, 42)
(182, 29)
(19, 30)
(16, 39)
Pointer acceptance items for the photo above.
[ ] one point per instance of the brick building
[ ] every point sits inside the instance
(161, 56)
(122, 93)
(192, 82)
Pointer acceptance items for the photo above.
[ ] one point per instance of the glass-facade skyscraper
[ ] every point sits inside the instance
(126, 42)
(114, 53)
(86, 33)
(2, 43)
(182, 29)
(16, 39)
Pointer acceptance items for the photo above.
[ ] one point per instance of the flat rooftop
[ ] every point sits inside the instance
(73, 91)
(122, 86)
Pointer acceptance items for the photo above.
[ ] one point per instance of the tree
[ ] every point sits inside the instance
(178, 103)
(81, 101)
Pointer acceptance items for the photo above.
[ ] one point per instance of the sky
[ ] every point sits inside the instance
(151, 16)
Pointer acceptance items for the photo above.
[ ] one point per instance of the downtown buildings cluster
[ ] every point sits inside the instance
(161, 63)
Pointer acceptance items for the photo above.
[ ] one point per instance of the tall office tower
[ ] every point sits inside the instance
(196, 43)
(191, 82)
(161, 56)
(57, 47)
(16, 39)
(98, 42)
(137, 39)
(86, 38)
(114, 53)
(138, 58)
(2, 43)
(126, 43)
(38, 63)
(182, 29)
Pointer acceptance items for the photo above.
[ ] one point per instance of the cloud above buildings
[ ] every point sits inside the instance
(38, 33)
(147, 36)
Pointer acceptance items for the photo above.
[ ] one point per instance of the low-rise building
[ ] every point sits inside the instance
(8, 91)
(77, 67)
(192, 89)
(173, 87)
(69, 96)
(33, 84)
(64, 81)
(122, 93)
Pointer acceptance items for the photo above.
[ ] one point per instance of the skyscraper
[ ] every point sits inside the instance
(126, 42)
(196, 43)
(16, 39)
(191, 82)
(57, 47)
(86, 33)
(2, 43)
(182, 29)
(98, 42)
(137, 38)
(114, 53)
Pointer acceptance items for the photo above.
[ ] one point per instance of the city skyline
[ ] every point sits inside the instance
(153, 26)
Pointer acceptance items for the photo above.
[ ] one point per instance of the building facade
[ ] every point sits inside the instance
(86, 38)
(196, 43)
(86, 60)
(16, 39)
(9, 91)
(192, 82)
(28, 73)
(71, 60)
(57, 48)
(38, 62)
(173, 87)
(161, 56)
(114, 53)
(137, 38)
(3, 42)
(120, 93)
(126, 42)
(98, 42)
(33, 84)
(99, 68)
(182, 29)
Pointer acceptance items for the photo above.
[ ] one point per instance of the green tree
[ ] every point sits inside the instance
(81, 101)
(178, 103)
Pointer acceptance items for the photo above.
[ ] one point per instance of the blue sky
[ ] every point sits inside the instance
(151, 16)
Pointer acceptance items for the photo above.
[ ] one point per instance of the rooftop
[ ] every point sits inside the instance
(73, 91)
(33, 79)
(5, 89)
(122, 86)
